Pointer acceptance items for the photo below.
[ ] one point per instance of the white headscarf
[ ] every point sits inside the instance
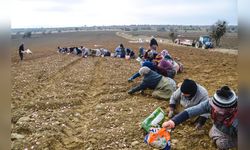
(144, 71)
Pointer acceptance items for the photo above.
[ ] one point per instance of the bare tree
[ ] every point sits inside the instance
(218, 30)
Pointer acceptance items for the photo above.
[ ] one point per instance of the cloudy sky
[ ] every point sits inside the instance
(63, 13)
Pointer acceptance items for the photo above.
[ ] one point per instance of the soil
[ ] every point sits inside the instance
(62, 101)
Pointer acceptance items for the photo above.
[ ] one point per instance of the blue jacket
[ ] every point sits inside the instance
(150, 81)
(148, 64)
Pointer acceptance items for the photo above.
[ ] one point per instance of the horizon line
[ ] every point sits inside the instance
(117, 25)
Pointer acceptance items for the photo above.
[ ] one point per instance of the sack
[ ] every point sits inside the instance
(158, 138)
(154, 120)
(127, 57)
(181, 68)
(112, 54)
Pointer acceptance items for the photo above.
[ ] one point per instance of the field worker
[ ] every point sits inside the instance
(120, 51)
(163, 86)
(78, 51)
(123, 52)
(157, 59)
(166, 68)
(21, 51)
(148, 64)
(159, 69)
(223, 109)
(98, 53)
(166, 55)
(85, 52)
(105, 52)
(141, 52)
(130, 53)
(152, 52)
(59, 49)
(189, 94)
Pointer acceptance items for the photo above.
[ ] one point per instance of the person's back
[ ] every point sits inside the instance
(141, 52)
(117, 51)
(21, 50)
(152, 79)
(165, 64)
(123, 52)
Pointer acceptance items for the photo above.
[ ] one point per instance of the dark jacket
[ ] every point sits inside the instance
(21, 48)
(149, 81)
(202, 108)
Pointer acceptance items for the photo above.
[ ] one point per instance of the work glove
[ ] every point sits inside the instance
(130, 91)
(130, 80)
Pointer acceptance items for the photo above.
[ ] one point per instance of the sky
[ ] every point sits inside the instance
(66, 13)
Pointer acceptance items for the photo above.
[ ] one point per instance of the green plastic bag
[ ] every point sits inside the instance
(154, 120)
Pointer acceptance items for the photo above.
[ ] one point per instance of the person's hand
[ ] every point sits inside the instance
(170, 114)
(130, 80)
(198, 126)
(168, 124)
(130, 91)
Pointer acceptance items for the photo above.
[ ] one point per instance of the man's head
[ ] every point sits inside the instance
(188, 88)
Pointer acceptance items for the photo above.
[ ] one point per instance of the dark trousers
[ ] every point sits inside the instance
(21, 56)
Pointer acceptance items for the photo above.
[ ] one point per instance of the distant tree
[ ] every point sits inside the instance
(127, 29)
(27, 34)
(172, 35)
(135, 29)
(218, 30)
(161, 29)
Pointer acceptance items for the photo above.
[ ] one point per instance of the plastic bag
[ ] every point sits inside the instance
(158, 138)
(154, 120)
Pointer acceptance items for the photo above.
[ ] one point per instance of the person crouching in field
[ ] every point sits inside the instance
(189, 94)
(105, 52)
(224, 113)
(157, 68)
(120, 51)
(151, 53)
(21, 51)
(163, 86)
(130, 53)
(165, 68)
(85, 52)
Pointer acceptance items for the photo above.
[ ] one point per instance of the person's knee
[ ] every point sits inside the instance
(224, 144)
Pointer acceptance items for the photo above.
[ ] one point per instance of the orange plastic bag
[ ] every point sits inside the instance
(158, 138)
